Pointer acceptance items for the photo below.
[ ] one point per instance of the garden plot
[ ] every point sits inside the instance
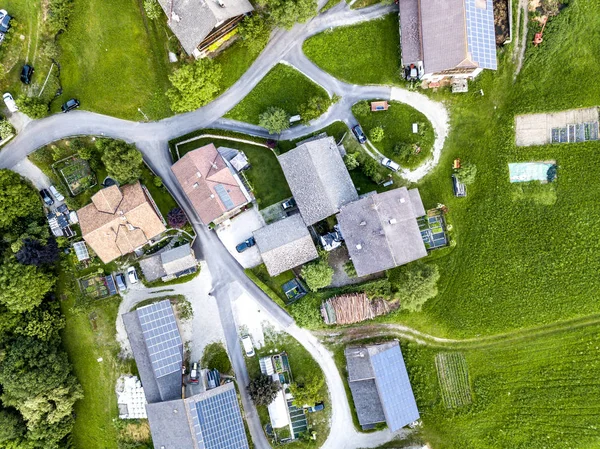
(453, 376)
(433, 231)
(76, 173)
(97, 287)
(575, 125)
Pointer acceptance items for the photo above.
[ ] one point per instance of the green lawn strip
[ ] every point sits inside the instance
(283, 87)
(343, 53)
(114, 61)
(161, 195)
(330, 4)
(201, 132)
(265, 175)
(270, 286)
(234, 61)
(337, 130)
(397, 124)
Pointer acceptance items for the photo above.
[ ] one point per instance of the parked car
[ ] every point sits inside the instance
(460, 190)
(245, 245)
(316, 408)
(4, 21)
(390, 164)
(71, 104)
(121, 285)
(46, 197)
(9, 101)
(56, 194)
(248, 346)
(132, 275)
(194, 374)
(289, 204)
(359, 134)
(27, 73)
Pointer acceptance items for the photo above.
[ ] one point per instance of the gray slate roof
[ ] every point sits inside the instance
(159, 389)
(318, 179)
(178, 259)
(381, 230)
(193, 20)
(380, 385)
(285, 244)
(209, 420)
(410, 32)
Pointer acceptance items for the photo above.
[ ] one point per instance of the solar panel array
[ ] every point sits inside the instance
(481, 33)
(81, 251)
(217, 422)
(224, 195)
(162, 338)
(394, 388)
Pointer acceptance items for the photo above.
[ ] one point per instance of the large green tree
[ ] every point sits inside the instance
(414, 284)
(254, 33)
(194, 85)
(275, 120)
(286, 13)
(314, 108)
(18, 200)
(307, 391)
(317, 274)
(32, 107)
(22, 287)
(263, 390)
(12, 426)
(123, 161)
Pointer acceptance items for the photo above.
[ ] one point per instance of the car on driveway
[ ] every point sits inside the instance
(245, 245)
(132, 275)
(56, 194)
(9, 101)
(4, 21)
(121, 282)
(289, 204)
(71, 104)
(27, 73)
(248, 346)
(390, 164)
(46, 197)
(359, 134)
(194, 378)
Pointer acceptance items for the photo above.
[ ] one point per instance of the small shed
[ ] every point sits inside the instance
(379, 106)
(240, 162)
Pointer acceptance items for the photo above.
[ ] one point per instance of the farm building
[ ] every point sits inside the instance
(170, 264)
(380, 386)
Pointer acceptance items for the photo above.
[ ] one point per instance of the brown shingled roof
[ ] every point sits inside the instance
(113, 228)
(199, 172)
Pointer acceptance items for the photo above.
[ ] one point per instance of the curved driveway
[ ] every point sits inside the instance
(152, 140)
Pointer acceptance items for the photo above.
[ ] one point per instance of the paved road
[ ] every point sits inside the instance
(152, 140)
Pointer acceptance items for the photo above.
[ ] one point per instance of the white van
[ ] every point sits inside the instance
(248, 347)
(56, 194)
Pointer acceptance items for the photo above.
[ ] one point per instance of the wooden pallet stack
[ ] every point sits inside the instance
(353, 308)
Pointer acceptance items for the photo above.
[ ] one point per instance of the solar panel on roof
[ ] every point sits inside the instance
(224, 196)
(394, 388)
(217, 422)
(162, 338)
(481, 34)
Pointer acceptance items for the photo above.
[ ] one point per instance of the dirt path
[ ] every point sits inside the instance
(379, 330)
(521, 41)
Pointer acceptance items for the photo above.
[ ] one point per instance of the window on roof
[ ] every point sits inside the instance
(481, 4)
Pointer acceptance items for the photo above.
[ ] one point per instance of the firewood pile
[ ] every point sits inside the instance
(353, 308)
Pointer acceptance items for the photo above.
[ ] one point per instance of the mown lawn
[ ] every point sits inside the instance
(265, 175)
(397, 124)
(234, 62)
(283, 87)
(114, 61)
(367, 53)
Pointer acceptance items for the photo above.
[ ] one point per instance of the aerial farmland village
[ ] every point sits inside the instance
(300, 224)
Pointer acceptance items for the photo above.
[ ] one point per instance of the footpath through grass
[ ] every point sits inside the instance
(367, 53)
(283, 87)
(114, 61)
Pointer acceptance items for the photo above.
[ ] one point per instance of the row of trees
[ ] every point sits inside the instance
(38, 389)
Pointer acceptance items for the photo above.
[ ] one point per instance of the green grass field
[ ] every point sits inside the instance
(397, 123)
(114, 61)
(367, 53)
(234, 62)
(283, 87)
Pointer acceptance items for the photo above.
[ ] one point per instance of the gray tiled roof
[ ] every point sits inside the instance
(381, 231)
(318, 179)
(285, 244)
(178, 259)
(193, 20)
(169, 425)
(380, 385)
(410, 30)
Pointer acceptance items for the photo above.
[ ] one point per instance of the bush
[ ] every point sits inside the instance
(351, 162)
(403, 151)
(215, 357)
(350, 269)
(314, 108)
(317, 274)
(306, 312)
(59, 12)
(285, 13)
(6, 129)
(361, 108)
(254, 33)
(466, 173)
(157, 181)
(32, 107)
(194, 85)
(414, 284)
(153, 9)
(176, 218)
(377, 134)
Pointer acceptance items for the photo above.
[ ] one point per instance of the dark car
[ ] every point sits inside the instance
(360, 135)
(245, 245)
(27, 73)
(121, 284)
(289, 204)
(47, 197)
(316, 408)
(4, 21)
(71, 104)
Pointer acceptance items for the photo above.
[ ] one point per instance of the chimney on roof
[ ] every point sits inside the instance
(195, 186)
(175, 17)
(198, 174)
(363, 223)
(212, 196)
(221, 4)
(393, 221)
(359, 246)
(402, 200)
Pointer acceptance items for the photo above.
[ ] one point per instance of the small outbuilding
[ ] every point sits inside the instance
(379, 106)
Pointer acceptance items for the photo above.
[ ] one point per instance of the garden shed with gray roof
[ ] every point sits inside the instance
(381, 230)
(380, 385)
(318, 179)
(285, 244)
